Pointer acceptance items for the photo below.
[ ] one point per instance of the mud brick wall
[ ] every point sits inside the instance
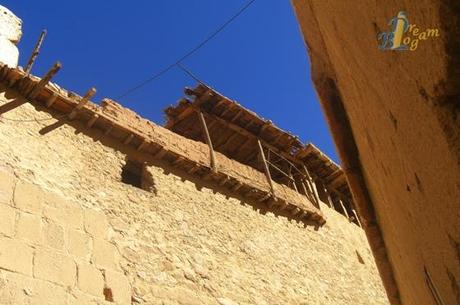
(72, 233)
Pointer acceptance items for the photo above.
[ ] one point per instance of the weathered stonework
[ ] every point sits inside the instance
(10, 34)
(190, 242)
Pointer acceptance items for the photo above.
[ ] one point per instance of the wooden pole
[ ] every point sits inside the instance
(91, 92)
(312, 185)
(35, 52)
(45, 80)
(267, 170)
(208, 141)
(343, 208)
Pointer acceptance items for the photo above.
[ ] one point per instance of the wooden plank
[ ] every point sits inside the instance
(89, 94)
(45, 80)
(35, 52)
(267, 170)
(208, 141)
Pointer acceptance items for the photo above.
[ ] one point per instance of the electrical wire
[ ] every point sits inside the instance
(188, 54)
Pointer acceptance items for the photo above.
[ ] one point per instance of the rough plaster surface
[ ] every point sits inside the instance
(10, 34)
(71, 220)
(404, 115)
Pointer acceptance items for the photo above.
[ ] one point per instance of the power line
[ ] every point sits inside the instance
(189, 73)
(188, 54)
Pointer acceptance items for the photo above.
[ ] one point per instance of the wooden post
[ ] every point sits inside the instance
(357, 218)
(267, 170)
(312, 185)
(45, 80)
(208, 141)
(35, 52)
(91, 92)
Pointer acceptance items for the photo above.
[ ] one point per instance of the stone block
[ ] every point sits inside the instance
(96, 223)
(9, 53)
(105, 254)
(28, 197)
(7, 220)
(118, 283)
(7, 181)
(79, 244)
(90, 280)
(67, 213)
(54, 267)
(53, 235)
(29, 228)
(20, 289)
(15, 256)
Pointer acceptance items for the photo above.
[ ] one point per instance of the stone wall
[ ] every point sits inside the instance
(10, 34)
(72, 233)
(395, 119)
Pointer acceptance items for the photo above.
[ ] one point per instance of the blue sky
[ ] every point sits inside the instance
(259, 60)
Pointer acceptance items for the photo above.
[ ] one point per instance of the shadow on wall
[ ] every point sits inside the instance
(135, 171)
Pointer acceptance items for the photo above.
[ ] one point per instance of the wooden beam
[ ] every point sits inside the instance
(52, 99)
(160, 153)
(92, 120)
(237, 115)
(45, 80)
(91, 92)
(193, 169)
(208, 141)
(223, 181)
(109, 129)
(142, 145)
(128, 139)
(267, 170)
(35, 52)
(237, 186)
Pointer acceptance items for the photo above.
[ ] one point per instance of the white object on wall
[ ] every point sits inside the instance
(10, 34)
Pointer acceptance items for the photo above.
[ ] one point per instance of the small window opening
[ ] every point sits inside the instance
(132, 173)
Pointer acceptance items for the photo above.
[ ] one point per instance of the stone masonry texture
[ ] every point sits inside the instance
(72, 233)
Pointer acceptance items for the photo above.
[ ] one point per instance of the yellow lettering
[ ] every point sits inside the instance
(411, 27)
(415, 32)
(406, 40)
(414, 45)
(432, 32)
(422, 36)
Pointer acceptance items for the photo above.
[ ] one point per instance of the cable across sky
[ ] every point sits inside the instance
(186, 55)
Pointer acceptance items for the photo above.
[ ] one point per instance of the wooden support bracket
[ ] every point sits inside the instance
(208, 141)
(267, 170)
(45, 80)
(91, 92)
